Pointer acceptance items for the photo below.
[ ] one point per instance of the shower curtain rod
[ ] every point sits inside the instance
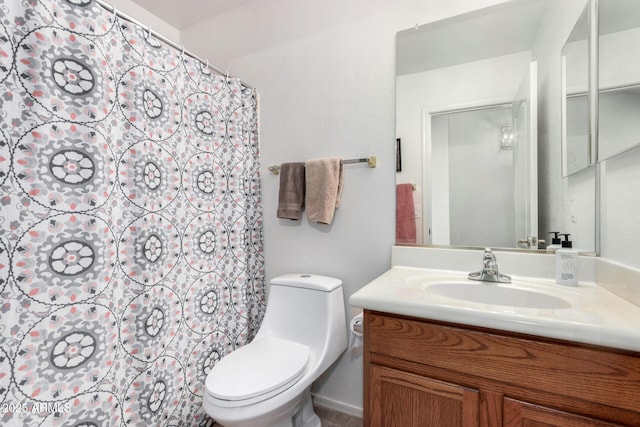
(168, 41)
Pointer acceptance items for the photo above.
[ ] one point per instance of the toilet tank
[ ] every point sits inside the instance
(308, 309)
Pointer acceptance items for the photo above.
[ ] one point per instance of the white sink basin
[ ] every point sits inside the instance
(495, 294)
(586, 313)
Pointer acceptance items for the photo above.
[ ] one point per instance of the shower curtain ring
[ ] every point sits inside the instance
(115, 14)
(148, 32)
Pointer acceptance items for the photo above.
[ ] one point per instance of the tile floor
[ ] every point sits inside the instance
(330, 418)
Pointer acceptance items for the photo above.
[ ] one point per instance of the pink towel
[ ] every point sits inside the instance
(324, 181)
(405, 214)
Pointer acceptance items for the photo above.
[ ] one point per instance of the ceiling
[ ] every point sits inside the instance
(498, 30)
(181, 14)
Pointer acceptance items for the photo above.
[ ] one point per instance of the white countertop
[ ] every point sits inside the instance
(596, 316)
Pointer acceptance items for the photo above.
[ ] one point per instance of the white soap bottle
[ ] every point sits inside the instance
(567, 263)
(556, 242)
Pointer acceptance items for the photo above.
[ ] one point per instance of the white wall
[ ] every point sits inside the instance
(619, 126)
(619, 123)
(617, 66)
(146, 18)
(324, 71)
(621, 209)
(620, 174)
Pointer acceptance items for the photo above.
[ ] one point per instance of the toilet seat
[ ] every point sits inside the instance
(265, 367)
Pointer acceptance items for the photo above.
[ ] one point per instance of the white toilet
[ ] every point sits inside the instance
(267, 382)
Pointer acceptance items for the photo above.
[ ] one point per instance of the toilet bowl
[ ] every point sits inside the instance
(267, 382)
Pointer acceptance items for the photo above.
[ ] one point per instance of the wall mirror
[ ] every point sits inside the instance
(469, 90)
(619, 76)
(576, 140)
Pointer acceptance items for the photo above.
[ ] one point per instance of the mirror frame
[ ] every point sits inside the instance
(594, 59)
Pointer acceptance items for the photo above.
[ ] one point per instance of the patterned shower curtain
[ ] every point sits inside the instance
(130, 230)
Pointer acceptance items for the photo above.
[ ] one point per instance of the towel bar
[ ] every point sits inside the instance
(275, 169)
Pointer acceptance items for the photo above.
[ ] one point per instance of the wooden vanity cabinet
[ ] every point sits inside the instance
(422, 373)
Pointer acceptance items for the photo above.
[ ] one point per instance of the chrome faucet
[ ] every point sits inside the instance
(489, 272)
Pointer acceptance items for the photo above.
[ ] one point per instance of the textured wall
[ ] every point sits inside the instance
(325, 76)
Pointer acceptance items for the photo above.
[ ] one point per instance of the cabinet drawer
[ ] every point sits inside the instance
(523, 414)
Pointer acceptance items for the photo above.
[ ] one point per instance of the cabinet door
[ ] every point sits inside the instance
(401, 399)
(523, 414)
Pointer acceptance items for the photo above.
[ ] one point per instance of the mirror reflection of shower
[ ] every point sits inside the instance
(472, 177)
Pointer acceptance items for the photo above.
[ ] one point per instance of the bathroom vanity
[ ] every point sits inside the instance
(434, 358)
(424, 373)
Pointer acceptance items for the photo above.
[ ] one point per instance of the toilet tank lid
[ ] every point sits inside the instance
(308, 281)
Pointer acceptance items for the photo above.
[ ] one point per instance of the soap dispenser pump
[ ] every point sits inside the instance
(567, 263)
(556, 242)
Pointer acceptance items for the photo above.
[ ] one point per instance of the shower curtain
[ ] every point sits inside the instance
(131, 253)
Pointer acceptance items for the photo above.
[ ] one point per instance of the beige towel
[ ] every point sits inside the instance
(291, 191)
(324, 179)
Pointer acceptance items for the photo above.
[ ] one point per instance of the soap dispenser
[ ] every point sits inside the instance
(556, 242)
(567, 263)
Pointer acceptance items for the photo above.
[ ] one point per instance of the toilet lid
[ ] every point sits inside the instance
(263, 366)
